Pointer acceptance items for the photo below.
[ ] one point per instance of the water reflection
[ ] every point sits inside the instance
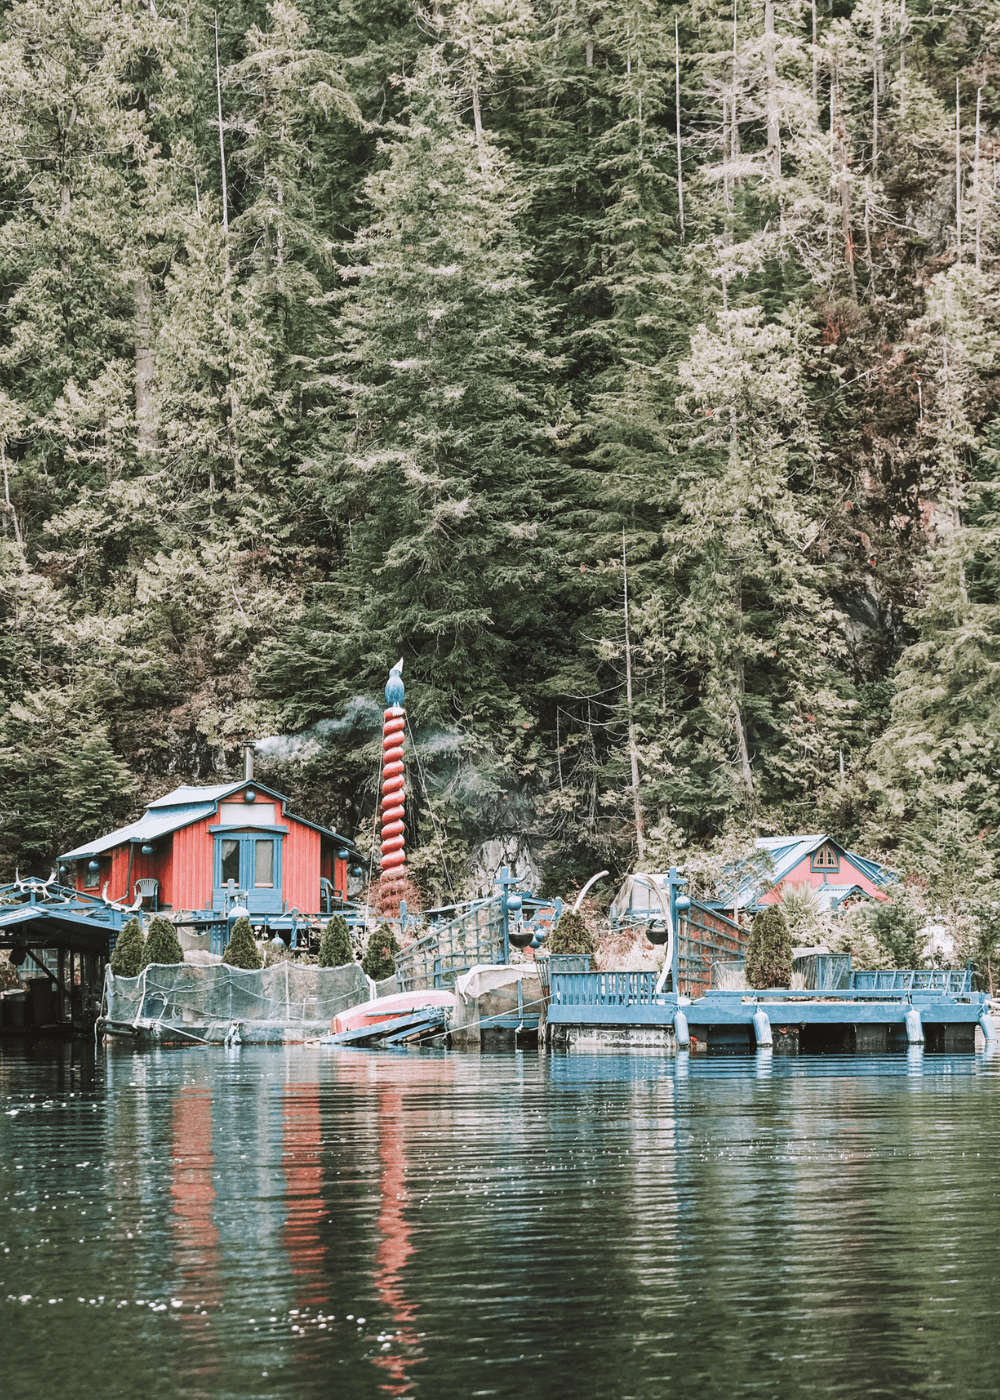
(199, 1282)
(620, 1225)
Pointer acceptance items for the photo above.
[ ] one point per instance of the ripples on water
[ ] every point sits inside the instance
(300, 1222)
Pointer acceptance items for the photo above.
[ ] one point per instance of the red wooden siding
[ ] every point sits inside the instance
(183, 862)
(300, 868)
(194, 852)
(803, 873)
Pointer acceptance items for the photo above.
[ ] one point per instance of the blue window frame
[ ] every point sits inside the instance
(825, 859)
(252, 860)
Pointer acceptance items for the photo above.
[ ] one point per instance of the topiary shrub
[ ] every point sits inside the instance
(571, 935)
(126, 960)
(335, 946)
(769, 951)
(161, 943)
(379, 960)
(241, 950)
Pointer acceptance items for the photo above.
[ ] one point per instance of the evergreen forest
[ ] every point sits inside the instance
(630, 369)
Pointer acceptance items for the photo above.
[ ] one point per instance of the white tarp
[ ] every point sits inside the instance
(488, 977)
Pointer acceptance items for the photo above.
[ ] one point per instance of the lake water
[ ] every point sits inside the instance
(304, 1222)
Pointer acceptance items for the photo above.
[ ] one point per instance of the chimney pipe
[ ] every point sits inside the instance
(248, 763)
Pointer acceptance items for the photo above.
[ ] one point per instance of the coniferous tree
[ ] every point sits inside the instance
(127, 956)
(769, 950)
(162, 944)
(379, 961)
(241, 950)
(335, 946)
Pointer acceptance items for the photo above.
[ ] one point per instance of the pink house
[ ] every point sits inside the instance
(818, 860)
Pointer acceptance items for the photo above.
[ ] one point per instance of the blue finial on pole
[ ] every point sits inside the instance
(394, 692)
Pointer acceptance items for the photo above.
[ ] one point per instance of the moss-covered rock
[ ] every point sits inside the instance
(769, 951)
(241, 950)
(162, 945)
(335, 946)
(126, 960)
(379, 961)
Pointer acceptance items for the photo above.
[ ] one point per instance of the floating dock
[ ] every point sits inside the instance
(877, 1014)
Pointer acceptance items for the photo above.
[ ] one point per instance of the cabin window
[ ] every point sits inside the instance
(826, 858)
(264, 865)
(91, 878)
(231, 862)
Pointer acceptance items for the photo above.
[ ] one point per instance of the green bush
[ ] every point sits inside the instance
(241, 950)
(769, 952)
(571, 935)
(335, 947)
(161, 943)
(379, 961)
(126, 960)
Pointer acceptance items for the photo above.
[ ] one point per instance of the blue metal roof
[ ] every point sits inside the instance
(182, 807)
(786, 852)
(147, 828)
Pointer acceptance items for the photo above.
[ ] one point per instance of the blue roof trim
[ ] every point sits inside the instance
(786, 853)
(182, 807)
(147, 828)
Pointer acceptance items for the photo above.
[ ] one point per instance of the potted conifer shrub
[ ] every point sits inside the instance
(335, 946)
(571, 945)
(769, 951)
(162, 944)
(127, 957)
(241, 950)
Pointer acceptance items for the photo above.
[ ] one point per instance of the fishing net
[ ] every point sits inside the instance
(216, 1003)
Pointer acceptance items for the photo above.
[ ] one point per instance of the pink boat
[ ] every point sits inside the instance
(369, 1013)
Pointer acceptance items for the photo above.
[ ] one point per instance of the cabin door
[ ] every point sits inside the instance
(253, 863)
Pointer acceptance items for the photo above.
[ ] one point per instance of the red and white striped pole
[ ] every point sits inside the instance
(393, 790)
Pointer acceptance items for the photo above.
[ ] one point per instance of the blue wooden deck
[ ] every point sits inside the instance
(623, 999)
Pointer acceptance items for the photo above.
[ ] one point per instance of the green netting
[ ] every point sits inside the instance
(213, 1002)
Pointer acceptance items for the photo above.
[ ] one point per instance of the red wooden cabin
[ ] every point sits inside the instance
(198, 844)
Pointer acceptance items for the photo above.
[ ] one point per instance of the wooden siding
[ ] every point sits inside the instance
(194, 852)
(300, 868)
(183, 862)
(848, 874)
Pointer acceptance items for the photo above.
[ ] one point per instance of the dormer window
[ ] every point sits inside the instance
(826, 858)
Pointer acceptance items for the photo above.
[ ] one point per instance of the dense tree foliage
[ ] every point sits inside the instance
(630, 371)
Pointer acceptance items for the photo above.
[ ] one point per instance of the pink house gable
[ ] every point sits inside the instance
(827, 864)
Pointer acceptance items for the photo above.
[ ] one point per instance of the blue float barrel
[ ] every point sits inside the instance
(681, 1030)
(762, 1027)
(987, 1027)
(914, 1029)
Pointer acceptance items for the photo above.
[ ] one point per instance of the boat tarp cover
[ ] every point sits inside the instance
(181, 994)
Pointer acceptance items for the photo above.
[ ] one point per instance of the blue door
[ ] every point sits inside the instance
(253, 862)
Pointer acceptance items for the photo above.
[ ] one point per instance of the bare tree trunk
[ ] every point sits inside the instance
(815, 58)
(477, 116)
(742, 753)
(771, 79)
(145, 399)
(8, 506)
(677, 111)
(838, 137)
(975, 176)
(633, 753)
(958, 173)
(876, 76)
(222, 139)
